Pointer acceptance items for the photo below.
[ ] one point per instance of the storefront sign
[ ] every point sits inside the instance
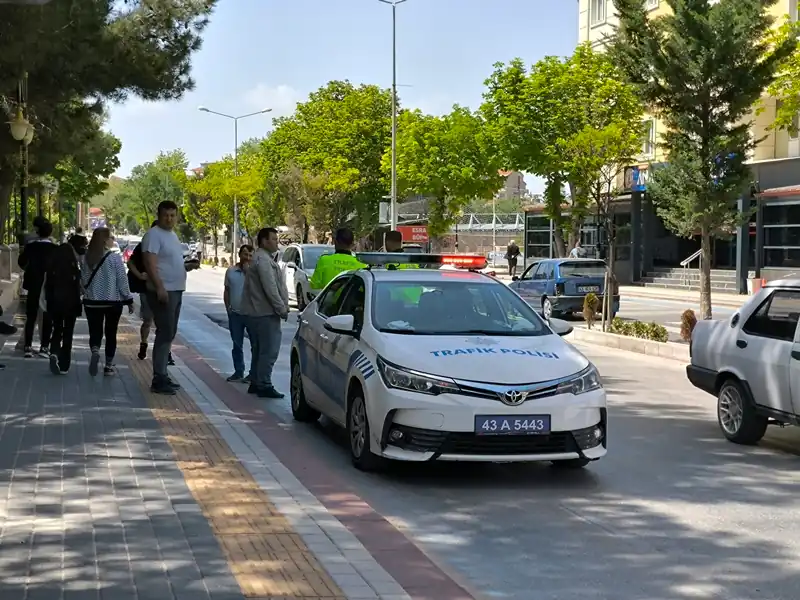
(635, 179)
(417, 234)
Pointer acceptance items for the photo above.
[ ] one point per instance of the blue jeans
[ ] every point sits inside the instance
(237, 324)
(265, 345)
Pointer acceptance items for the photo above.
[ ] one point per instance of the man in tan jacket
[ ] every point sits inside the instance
(265, 303)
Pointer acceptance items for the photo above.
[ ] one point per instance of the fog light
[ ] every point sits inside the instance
(395, 435)
(598, 433)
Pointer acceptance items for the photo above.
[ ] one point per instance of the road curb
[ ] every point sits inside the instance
(670, 350)
(733, 302)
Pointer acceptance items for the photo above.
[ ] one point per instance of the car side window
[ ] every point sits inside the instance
(777, 316)
(328, 304)
(354, 300)
(541, 272)
(298, 258)
(528, 274)
(549, 272)
(287, 255)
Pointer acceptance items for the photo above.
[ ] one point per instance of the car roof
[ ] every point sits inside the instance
(424, 274)
(303, 246)
(783, 283)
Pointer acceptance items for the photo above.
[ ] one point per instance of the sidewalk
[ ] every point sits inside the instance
(108, 491)
(691, 298)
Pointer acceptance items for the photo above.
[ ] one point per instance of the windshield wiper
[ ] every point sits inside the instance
(406, 331)
(507, 332)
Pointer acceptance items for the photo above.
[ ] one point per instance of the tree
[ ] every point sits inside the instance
(701, 70)
(208, 204)
(449, 159)
(151, 183)
(102, 51)
(535, 114)
(786, 86)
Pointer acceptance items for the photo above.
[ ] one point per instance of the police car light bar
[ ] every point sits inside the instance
(381, 259)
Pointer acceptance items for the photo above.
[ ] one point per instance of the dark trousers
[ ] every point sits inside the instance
(265, 346)
(165, 316)
(61, 342)
(31, 314)
(512, 266)
(104, 322)
(236, 325)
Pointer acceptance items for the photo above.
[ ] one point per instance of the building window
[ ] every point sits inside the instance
(597, 11)
(794, 128)
(650, 4)
(649, 143)
(793, 10)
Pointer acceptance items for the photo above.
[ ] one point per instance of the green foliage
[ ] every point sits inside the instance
(684, 70)
(688, 321)
(786, 86)
(545, 117)
(638, 329)
(84, 175)
(451, 160)
(591, 304)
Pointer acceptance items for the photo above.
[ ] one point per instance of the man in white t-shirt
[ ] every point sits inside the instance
(166, 271)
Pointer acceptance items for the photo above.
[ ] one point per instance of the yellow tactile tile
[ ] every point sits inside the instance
(267, 558)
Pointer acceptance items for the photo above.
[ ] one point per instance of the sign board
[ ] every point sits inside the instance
(635, 179)
(95, 222)
(417, 234)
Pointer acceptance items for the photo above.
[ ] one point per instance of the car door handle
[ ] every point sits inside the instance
(323, 336)
(741, 343)
(796, 354)
(303, 321)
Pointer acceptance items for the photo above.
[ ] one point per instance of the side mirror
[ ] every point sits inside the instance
(291, 265)
(344, 324)
(560, 327)
(515, 278)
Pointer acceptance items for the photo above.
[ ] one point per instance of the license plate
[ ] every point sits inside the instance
(585, 289)
(512, 425)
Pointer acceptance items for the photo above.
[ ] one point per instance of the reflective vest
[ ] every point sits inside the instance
(330, 265)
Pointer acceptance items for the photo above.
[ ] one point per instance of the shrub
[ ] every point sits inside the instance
(590, 305)
(688, 321)
(638, 329)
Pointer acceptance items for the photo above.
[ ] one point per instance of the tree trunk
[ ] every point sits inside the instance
(558, 239)
(705, 274)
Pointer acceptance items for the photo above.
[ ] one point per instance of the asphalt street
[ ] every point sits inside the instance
(673, 512)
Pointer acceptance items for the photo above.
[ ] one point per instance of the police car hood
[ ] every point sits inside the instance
(493, 359)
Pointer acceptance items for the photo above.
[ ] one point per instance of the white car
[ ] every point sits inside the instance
(395, 356)
(298, 262)
(751, 363)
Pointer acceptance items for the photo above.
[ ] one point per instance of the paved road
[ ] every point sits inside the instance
(673, 512)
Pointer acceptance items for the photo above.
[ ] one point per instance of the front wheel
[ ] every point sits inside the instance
(301, 409)
(358, 434)
(737, 416)
(547, 309)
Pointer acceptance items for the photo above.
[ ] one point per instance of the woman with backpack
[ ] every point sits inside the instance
(62, 292)
(106, 292)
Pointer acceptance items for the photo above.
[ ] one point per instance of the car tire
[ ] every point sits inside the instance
(301, 409)
(572, 463)
(547, 308)
(358, 435)
(301, 299)
(737, 416)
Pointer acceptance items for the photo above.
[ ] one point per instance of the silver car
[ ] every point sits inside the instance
(298, 261)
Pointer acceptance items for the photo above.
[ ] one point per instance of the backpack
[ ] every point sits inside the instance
(136, 285)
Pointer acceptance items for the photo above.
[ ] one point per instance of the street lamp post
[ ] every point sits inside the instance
(393, 205)
(22, 131)
(235, 164)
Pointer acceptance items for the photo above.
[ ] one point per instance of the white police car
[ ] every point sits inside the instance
(430, 364)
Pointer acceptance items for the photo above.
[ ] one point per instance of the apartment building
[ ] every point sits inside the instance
(769, 245)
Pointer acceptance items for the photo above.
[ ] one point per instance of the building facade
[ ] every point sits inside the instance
(768, 246)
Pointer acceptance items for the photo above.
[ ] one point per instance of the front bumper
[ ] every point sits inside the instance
(422, 428)
(570, 304)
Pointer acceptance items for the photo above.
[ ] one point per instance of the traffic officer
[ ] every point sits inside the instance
(330, 265)
(393, 242)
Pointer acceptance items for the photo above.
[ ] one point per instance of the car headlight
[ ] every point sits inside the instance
(413, 381)
(585, 381)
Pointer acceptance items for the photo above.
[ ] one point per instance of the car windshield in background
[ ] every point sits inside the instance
(452, 307)
(583, 268)
(311, 256)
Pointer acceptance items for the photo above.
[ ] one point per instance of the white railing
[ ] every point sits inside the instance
(687, 261)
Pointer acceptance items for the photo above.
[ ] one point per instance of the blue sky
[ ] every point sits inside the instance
(273, 53)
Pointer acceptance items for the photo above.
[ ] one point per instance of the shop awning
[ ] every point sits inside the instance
(781, 192)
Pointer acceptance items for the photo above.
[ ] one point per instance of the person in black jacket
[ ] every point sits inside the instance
(62, 291)
(34, 260)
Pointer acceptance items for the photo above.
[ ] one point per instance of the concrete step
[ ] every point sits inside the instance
(669, 281)
(689, 288)
(715, 273)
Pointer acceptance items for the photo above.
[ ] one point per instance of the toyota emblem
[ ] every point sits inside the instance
(513, 397)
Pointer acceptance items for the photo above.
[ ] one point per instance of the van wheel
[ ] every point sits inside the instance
(358, 435)
(301, 299)
(301, 410)
(737, 416)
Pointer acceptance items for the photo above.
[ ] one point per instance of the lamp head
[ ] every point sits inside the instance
(202, 109)
(19, 126)
(266, 110)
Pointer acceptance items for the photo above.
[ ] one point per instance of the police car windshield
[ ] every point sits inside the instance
(311, 256)
(452, 307)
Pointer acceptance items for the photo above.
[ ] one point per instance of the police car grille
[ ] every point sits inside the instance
(469, 443)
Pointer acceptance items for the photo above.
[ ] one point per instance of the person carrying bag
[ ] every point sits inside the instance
(106, 292)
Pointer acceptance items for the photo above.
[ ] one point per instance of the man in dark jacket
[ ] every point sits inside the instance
(62, 290)
(34, 260)
(512, 255)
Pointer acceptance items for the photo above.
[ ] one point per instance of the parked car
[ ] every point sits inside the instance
(298, 262)
(751, 363)
(558, 286)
